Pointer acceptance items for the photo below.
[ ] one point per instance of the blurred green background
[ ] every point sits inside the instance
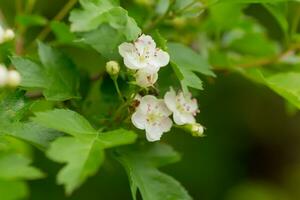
(251, 150)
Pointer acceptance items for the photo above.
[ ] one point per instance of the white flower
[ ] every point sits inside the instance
(3, 75)
(143, 54)
(9, 34)
(6, 35)
(182, 105)
(13, 78)
(145, 78)
(152, 115)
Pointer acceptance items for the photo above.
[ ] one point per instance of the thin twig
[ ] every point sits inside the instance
(59, 16)
(158, 20)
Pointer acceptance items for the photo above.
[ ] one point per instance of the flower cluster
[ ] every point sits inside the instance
(152, 114)
(6, 35)
(145, 59)
(9, 78)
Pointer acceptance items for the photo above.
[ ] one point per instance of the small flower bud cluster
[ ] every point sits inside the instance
(6, 35)
(152, 114)
(10, 78)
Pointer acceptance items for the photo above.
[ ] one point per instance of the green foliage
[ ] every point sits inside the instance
(185, 62)
(83, 153)
(13, 107)
(141, 164)
(69, 107)
(57, 76)
(102, 19)
(15, 169)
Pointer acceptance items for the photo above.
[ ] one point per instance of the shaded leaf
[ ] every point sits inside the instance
(185, 62)
(57, 77)
(141, 164)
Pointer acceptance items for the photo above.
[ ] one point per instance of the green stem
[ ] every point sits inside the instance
(159, 19)
(59, 16)
(118, 89)
(295, 22)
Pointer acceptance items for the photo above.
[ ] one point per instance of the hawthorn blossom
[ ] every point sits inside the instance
(152, 115)
(143, 54)
(13, 78)
(6, 35)
(145, 79)
(10, 78)
(183, 106)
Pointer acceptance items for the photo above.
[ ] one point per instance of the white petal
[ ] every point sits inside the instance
(145, 45)
(170, 99)
(145, 79)
(147, 103)
(131, 63)
(163, 109)
(151, 68)
(183, 118)
(187, 118)
(153, 133)
(138, 119)
(126, 48)
(160, 58)
(166, 124)
(177, 118)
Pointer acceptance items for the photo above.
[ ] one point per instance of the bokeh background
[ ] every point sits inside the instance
(251, 150)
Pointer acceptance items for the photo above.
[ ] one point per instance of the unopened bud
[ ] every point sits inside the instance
(3, 75)
(13, 78)
(9, 34)
(195, 129)
(112, 68)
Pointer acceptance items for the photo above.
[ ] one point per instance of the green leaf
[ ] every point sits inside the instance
(31, 20)
(62, 32)
(66, 121)
(185, 62)
(255, 1)
(33, 75)
(99, 20)
(279, 13)
(12, 190)
(83, 153)
(30, 132)
(92, 14)
(286, 85)
(16, 167)
(12, 109)
(141, 164)
(57, 77)
(107, 46)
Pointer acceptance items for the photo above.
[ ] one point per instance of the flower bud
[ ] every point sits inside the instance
(3, 75)
(112, 68)
(8, 35)
(195, 129)
(13, 78)
(145, 79)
